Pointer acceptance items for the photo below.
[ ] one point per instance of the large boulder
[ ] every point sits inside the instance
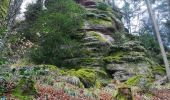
(106, 46)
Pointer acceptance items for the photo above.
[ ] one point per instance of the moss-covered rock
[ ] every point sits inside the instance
(88, 77)
(100, 23)
(25, 89)
(141, 81)
(116, 57)
(105, 44)
(98, 36)
(124, 71)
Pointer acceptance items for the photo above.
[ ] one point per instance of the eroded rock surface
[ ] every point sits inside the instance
(106, 45)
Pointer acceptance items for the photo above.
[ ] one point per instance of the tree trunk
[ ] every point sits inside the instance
(155, 26)
(169, 7)
(14, 9)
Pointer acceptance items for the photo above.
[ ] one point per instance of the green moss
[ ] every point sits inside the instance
(100, 22)
(133, 81)
(158, 70)
(98, 84)
(109, 13)
(102, 82)
(97, 36)
(87, 76)
(110, 59)
(71, 72)
(116, 57)
(142, 81)
(90, 61)
(21, 97)
(98, 16)
(49, 67)
(4, 8)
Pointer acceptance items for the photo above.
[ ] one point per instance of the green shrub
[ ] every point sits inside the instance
(3, 13)
(2, 30)
(2, 61)
(3, 85)
(102, 6)
(149, 42)
(2, 57)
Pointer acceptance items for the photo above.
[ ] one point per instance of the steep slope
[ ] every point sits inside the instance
(106, 67)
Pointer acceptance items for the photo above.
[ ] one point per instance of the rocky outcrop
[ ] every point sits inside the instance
(105, 44)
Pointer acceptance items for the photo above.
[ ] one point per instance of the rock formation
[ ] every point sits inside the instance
(105, 44)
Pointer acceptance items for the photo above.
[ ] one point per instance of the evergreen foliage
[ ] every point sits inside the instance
(149, 42)
(53, 30)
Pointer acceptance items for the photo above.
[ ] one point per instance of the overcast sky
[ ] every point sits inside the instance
(23, 8)
(25, 3)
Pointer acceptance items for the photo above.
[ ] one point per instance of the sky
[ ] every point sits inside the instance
(23, 8)
(120, 3)
(25, 3)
